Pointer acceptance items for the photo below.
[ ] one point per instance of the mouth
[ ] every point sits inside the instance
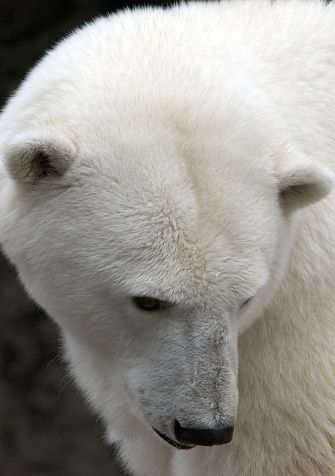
(179, 446)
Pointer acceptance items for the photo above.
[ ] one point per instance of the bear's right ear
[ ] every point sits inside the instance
(302, 181)
(37, 154)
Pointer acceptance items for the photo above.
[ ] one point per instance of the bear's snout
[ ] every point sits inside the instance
(203, 436)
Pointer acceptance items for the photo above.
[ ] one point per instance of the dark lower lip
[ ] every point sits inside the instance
(179, 446)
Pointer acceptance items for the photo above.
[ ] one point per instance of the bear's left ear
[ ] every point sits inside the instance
(34, 155)
(302, 181)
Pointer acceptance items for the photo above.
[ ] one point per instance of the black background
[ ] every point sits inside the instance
(45, 427)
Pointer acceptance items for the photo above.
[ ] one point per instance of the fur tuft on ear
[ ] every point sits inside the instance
(36, 155)
(303, 181)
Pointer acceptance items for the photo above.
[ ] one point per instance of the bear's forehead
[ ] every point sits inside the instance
(163, 246)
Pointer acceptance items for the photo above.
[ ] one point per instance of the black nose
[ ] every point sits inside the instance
(204, 437)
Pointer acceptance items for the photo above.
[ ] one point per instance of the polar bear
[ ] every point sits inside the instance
(166, 195)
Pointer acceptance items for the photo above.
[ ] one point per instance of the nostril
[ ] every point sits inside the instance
(203, 436)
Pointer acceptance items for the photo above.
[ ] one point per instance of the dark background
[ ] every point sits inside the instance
(45, 427)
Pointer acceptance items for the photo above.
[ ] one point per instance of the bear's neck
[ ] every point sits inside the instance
(287, 358)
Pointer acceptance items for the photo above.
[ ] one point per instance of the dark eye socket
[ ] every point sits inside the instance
(146, 303)
(246, 302)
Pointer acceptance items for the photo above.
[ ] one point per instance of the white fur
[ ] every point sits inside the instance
(194, 150)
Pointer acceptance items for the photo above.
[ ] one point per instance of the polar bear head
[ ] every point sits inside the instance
(153, 226)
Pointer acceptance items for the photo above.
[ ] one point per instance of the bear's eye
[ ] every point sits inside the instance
(148, 303)
(246, 302)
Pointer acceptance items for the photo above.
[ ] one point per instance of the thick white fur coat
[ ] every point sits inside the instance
(187, 154)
